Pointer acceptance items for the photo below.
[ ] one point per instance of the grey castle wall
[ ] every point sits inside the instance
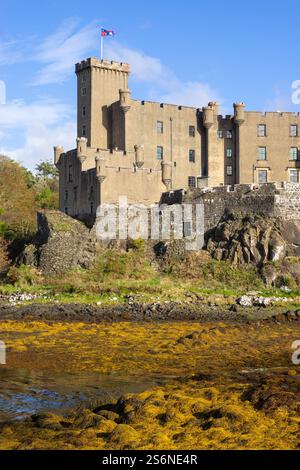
(269, 200)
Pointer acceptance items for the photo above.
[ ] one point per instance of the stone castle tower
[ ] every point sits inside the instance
(141, 149)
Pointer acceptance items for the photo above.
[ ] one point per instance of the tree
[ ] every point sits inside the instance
(46, 185)
(17, 201)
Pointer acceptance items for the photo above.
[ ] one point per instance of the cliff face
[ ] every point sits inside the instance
(61, 243)
(253, 239)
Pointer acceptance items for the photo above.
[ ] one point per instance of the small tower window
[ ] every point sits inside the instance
(83, 111)
(83, 131)
(160, 127)
(66, 195)
(229, 170)
(293, 153)
(192, 157)
(160, 153)
(192, 131)
(262, 130)
(262, 176)
(83, 91)
(294, 130)
(262, 153)
(229, 134)
(70, 175)
(228, 153)
(220, 134)
(192, 182)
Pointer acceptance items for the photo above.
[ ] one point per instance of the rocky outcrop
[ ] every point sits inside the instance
(61, 243)
(252, 239)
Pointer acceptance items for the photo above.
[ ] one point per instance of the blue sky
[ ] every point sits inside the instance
(180, 52)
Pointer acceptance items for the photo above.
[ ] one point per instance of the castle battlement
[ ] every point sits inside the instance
(102, 64)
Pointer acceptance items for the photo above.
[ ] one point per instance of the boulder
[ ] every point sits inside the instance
(61, 243)
(243, 240)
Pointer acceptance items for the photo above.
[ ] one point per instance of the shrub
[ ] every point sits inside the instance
(23, 276)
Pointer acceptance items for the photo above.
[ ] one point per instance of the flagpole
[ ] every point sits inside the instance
(102, 46)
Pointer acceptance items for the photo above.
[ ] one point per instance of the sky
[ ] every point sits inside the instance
(180, 52)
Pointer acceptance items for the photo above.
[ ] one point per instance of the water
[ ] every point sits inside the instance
(23, 392)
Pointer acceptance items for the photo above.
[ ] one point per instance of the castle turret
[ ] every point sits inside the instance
(139, 155)
(125, 100)
(167, 174)
(239, 113)
(81, 149)
(214, 164)
(58, 150)
(208, 116)
(100, 169)
(215, 106)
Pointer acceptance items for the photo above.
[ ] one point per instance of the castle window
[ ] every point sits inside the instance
(66, 210)
(228, 153)
(83, 91)
(262, 153)
(294, 176)
(92, 208)
(229, 170)
(220, 134)
(160, 127)
(294, 130)
(83, 111)
(75, 194)
(66, 195)
(70, 175)
(293, 153)
(262, 130)
(262, 176)
(192, 131)
(192, 182)
(83, 131)
(160, 153)
(229, 134)
(192, 157)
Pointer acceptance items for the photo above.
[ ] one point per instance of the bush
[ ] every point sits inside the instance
(23, 276)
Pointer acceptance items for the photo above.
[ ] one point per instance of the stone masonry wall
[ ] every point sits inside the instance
(269, 200)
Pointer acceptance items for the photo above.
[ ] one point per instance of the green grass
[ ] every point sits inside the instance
(116, 275)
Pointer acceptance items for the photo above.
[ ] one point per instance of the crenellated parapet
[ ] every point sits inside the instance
(102, 64)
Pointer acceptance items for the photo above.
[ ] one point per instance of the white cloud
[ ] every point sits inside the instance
(61, 50)
(165, 85)
(34, 129)
(11, 52)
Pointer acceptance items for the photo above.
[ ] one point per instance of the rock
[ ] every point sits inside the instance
(124, 436)
(245, 301)
(61, 243)
(48, 421)
(285, 289)
(261, 302)
(110, 415)
(243, 240)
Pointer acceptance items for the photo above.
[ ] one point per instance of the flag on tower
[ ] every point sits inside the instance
(107, 32)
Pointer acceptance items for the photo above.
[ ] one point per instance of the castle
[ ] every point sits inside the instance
(143, 149)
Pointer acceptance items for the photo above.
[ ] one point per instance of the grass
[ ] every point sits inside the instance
(116, 275)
